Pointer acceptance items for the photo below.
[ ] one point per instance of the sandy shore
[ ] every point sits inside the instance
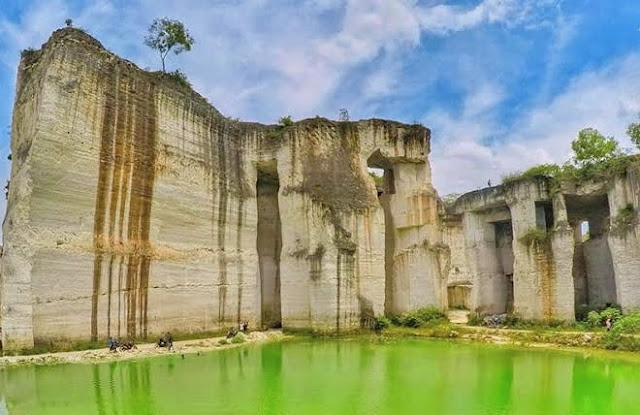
(143, 350)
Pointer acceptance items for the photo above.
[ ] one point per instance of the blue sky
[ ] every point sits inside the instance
(503, 84)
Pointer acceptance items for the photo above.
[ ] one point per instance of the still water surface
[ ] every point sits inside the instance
(333, 377)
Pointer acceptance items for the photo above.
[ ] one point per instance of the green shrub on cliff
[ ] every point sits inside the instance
(179, 77)
(545, 170)
(534, 236)
(285, 121)
(595, 157)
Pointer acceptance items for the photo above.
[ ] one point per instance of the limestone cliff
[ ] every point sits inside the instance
(546, 250)
(136, 208)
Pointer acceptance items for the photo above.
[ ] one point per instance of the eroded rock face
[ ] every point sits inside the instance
(585, 255)
(136, 208)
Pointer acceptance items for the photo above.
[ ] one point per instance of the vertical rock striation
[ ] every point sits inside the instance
(136, 208)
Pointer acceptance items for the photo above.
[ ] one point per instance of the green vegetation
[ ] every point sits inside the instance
(595, 157)
(541, 170)
(285, 121)
(514, 321)
(597, 319)
(238, 338)
(179, 77)
(626, 217)
(592, 147)
(166, 35)
(28, 53)
(380, 323)
(55, 347)
(419, 318)
(624, 334)
(633, 131)
(535, 236)
(277, 132)
(629, 323)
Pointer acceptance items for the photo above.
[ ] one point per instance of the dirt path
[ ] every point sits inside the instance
(143, 350)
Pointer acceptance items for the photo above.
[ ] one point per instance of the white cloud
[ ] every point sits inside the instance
(258, 59)
(464, 157)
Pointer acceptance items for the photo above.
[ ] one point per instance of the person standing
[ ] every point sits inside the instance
(169, 341)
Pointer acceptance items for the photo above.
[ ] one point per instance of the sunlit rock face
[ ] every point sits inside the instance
(136, 208)
(545, 250)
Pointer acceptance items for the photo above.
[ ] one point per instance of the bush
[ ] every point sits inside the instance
(475, 319)
(629, 324)
(396, 320)
(285, 121)
(534, 235)
(223, 342)
(616, 341)
(611, 312)
(625, 219)
(597, 319)
(420, 317)
(428, 314)
(381, 323)
(541, 170)
(179, 77)
(593, 318)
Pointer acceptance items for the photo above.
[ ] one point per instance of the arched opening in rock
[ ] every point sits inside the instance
(385, 190)
(593, 274)
(269, 243)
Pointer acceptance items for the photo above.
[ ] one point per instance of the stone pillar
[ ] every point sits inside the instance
(533, 276)
(624, 239)
(562, 247)
(418, 258)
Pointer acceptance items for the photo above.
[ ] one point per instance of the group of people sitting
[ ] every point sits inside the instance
(165, 341)
(242, 327)
(115, 345)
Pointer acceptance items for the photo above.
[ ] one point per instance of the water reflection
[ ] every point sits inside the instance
(331, 378)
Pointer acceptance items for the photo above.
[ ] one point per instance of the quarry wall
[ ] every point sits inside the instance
(584, 257)
(136, 208)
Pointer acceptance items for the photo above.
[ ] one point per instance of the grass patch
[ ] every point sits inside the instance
(419, 318)
(238, 339)
(179, 77)
(42, 347)
(571, 174)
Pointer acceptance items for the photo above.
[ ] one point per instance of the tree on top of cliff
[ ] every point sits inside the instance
(166, 35)
(593, 147)
(633, 131)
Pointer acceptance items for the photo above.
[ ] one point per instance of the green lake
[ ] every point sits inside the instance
(333, 377)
